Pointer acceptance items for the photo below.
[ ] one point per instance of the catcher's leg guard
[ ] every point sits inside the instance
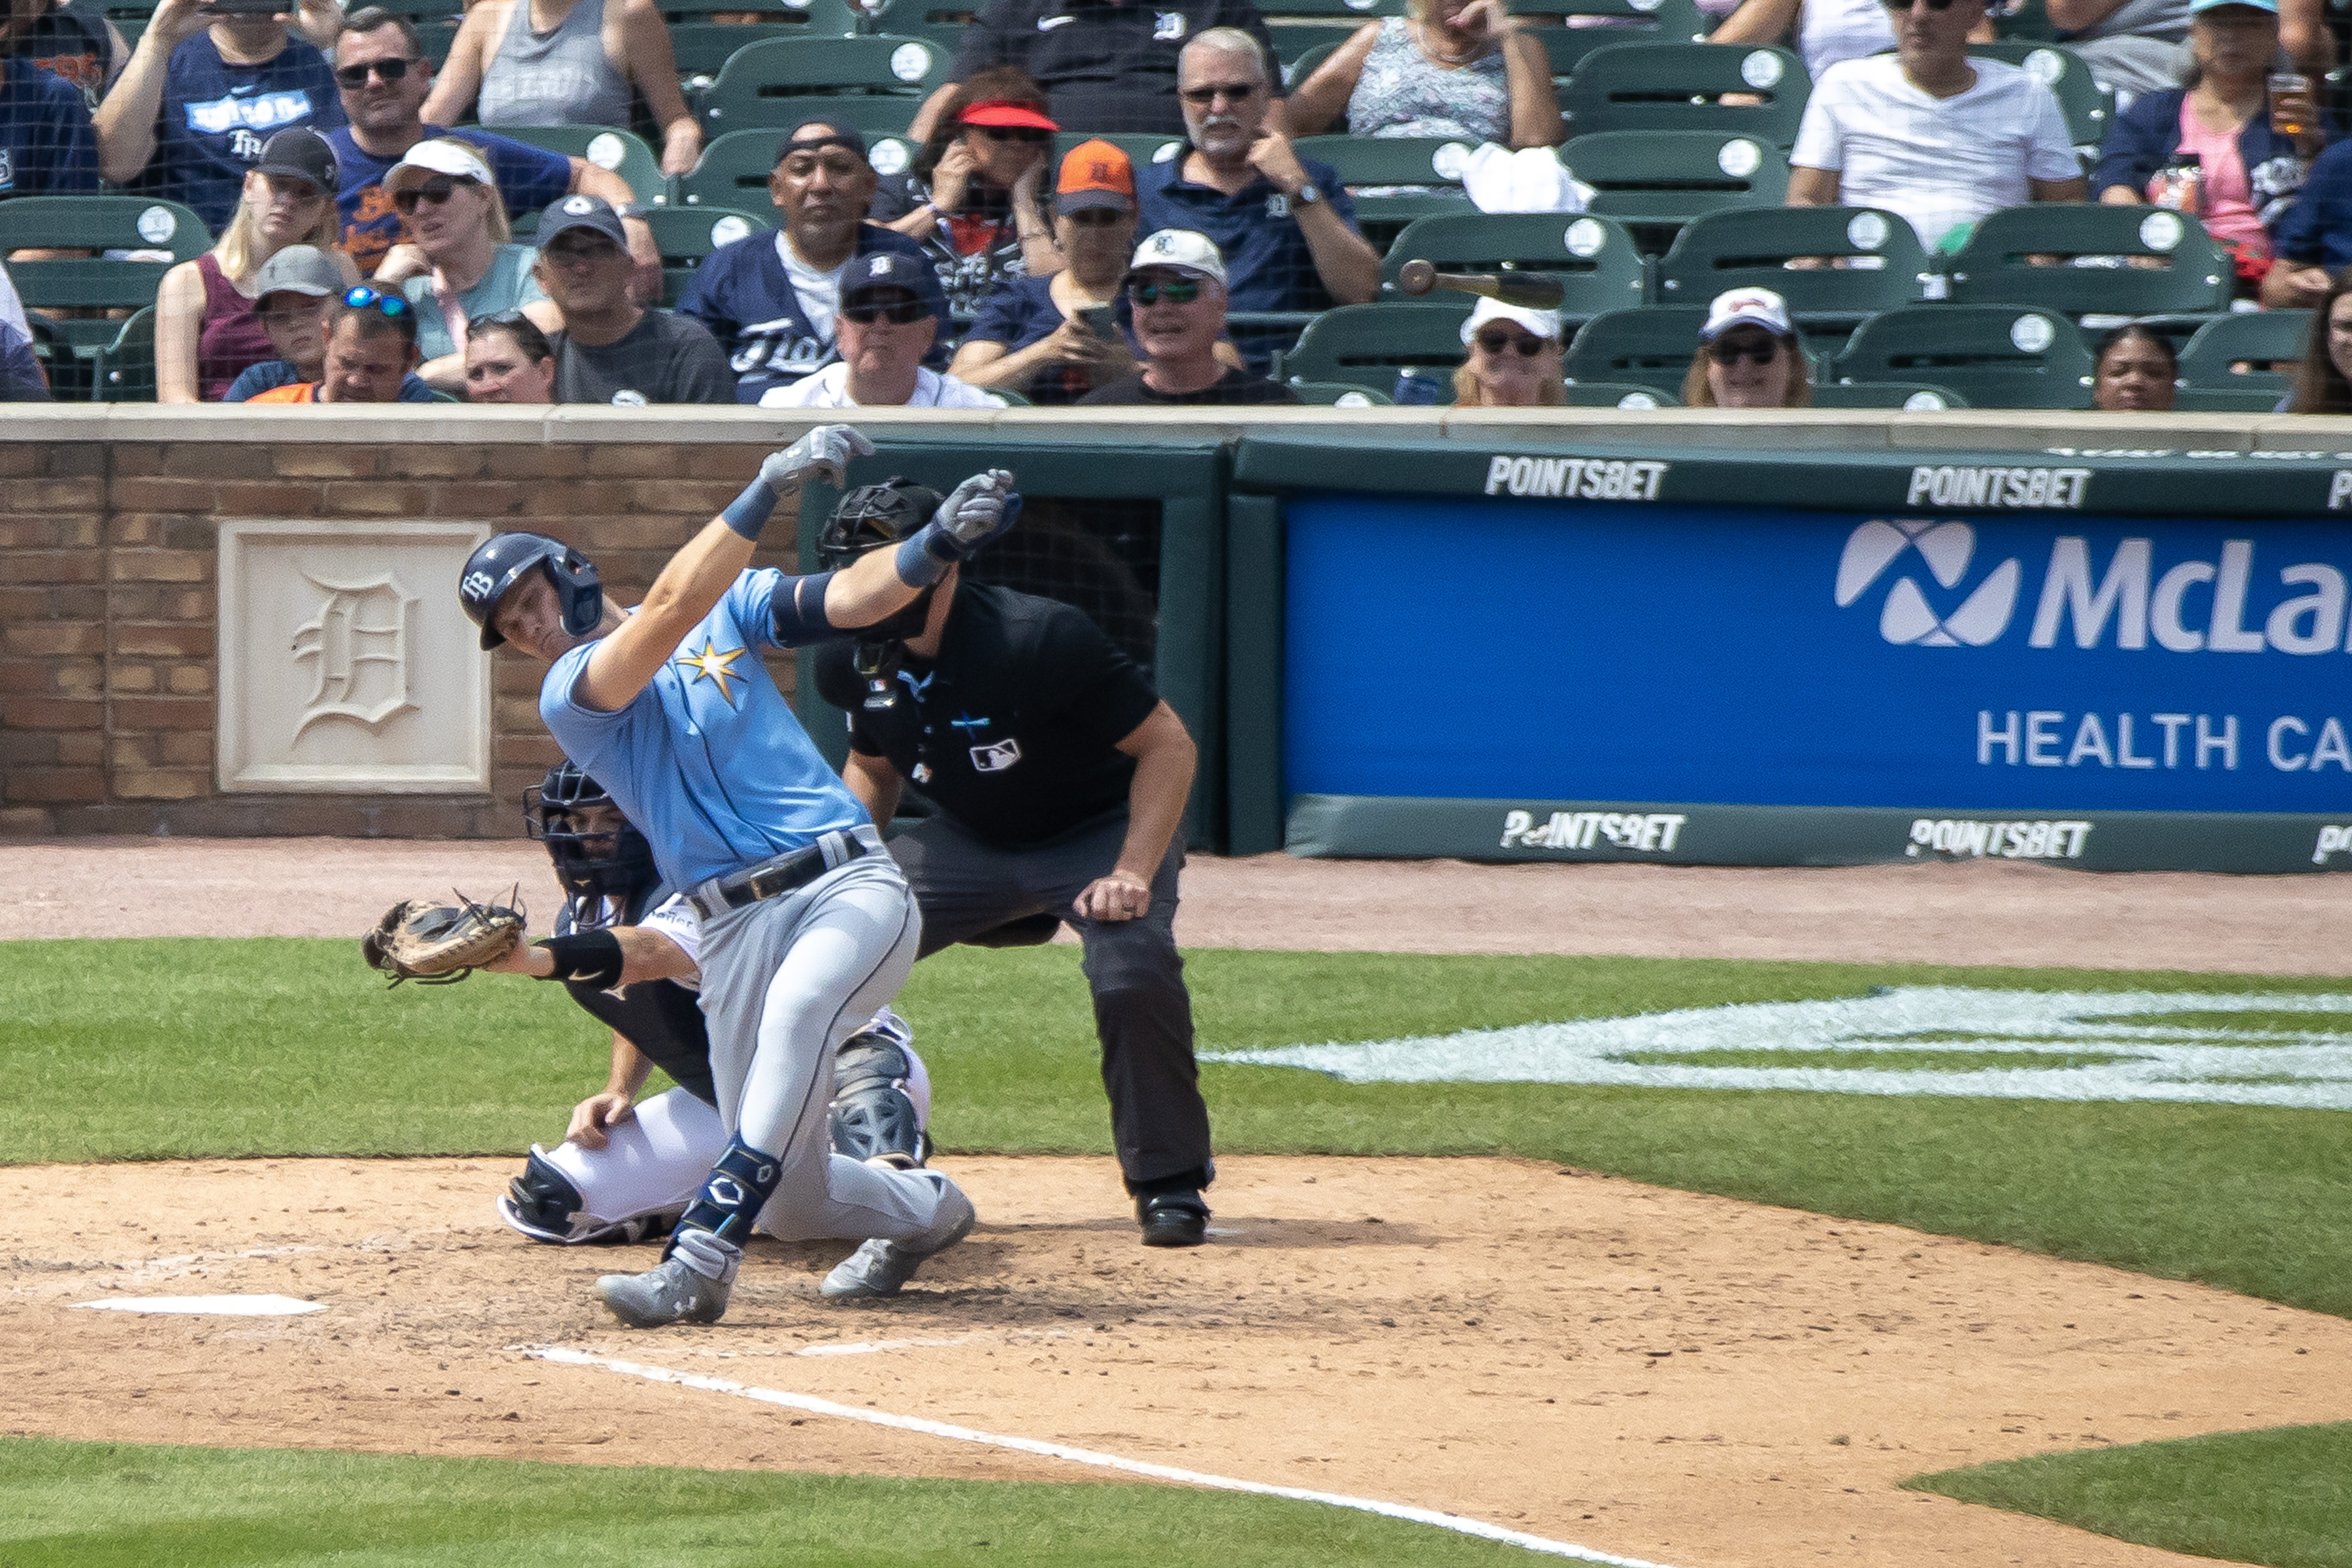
(874, 1114)
(541, 1202)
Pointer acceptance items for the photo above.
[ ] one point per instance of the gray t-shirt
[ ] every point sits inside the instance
(668, 358)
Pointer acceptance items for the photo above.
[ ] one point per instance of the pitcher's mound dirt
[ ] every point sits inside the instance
(1665, 1375)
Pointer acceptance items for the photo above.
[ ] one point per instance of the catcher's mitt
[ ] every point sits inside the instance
(437, 944)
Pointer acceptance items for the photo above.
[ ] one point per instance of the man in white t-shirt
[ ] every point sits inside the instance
(1931, 134)
(891, 308)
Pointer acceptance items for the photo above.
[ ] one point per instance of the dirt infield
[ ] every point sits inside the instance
(1671, 1376)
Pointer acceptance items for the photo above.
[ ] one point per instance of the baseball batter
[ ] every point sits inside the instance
(807, 926)
(625, 1170)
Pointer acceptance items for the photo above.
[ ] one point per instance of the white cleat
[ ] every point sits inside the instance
(883, 1267)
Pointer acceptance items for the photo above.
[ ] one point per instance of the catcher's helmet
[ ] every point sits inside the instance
(610, 861)
(867, 519)
(502, 559)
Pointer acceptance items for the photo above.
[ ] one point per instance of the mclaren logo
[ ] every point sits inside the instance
(1908, 618)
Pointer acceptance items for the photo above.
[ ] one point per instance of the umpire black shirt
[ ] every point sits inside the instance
(1014, 730)
(1106, 66)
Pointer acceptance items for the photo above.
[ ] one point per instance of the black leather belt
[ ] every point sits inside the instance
(784, 874)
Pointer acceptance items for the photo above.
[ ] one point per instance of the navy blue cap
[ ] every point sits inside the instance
(893, 270)
(836, 135)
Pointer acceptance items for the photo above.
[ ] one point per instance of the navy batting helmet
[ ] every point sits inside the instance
(607, 858)
(500, 563)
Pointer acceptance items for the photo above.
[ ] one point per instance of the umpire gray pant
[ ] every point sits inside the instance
(1144, 1014)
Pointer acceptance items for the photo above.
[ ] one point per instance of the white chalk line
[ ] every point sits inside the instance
(564, 1356)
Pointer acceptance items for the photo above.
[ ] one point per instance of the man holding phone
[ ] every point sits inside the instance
(891, 310)
(210, 81)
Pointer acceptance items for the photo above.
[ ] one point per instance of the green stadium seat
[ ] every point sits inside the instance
(814, 18)
(70, 378)
(1627, 394)
(1360, 344)
(782, 81)
(1340, 395)
(1414, 176)
(702, 49)
(2088, 107)
(2022, 21)
(1594, 257)
(1750, 248)
(1140, 148)
(1609, 23)
(1294, 42)
(1661, 177)
(687, 235)
(620, 152)
(96, 224)
(124, 371)
(1651, 346)
(1996, 356)
(2268, 344)
(1680, 86)
(733, 170)
(1910, 397)
(2120, 260)
(1299, 66)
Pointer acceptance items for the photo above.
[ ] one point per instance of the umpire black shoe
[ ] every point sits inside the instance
(1174, 1219)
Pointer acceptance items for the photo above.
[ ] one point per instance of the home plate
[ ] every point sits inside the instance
(210, 1306)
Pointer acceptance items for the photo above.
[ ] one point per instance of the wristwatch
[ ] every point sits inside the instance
(1307, 194)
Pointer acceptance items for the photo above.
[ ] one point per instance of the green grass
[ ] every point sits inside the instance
(102, 1505)
(1878, 1059)
(2281, 1496)
(167, 1049)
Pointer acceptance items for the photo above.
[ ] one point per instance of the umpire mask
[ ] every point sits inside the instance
(871, 518)
(598, 854)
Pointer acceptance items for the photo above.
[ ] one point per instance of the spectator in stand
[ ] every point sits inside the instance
(1931, 134)
(2132, 46)
(2249, 173)
(1749, 355)
(371, 354)
(385, 78)
(188, 116)
(463, 263)
(613, 350)
(509, 359)
(1107, 65)
(1447, 68)
(1514, 360)
(567, 62)
(74, 41)
(2133, 369)
(295, 299)
(1039, 335)
(46, 145)
(206, 329)
(773, 300)
(1826, 31)
(2320, 383)
(22, 379)
(1177, 286)
(889, 318)
(1285, 228)
(972, 198)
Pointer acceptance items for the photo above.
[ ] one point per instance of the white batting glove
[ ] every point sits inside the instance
(977, 509)
(824, 453)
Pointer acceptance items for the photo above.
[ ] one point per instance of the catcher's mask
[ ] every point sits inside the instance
(598, 854)
(867, 519)
(499, 564)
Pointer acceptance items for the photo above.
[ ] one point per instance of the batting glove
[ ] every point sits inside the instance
(824, 453)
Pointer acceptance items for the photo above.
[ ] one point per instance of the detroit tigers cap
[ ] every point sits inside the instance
(878, 270)
(1746, 307)
(1179, 250)
(566, 213)
(1095, 173)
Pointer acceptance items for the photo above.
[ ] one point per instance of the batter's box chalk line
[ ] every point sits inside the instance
(564, 1356)
(209, 1306)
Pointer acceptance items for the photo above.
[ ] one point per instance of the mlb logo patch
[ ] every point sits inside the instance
(997, 758)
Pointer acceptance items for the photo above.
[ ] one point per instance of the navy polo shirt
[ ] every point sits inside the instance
(1268, 266)
(216, 116)
(47, 147)
(2318, 228)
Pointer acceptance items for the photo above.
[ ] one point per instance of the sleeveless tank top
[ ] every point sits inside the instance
(1401, 92)
(560, 78)
(230, 336)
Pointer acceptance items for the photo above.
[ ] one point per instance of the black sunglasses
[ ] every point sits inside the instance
(360, 297)
(1240, 91)
(1497, 342)
(1906, 5)
(1175, 290)
(902, 315)
(1096, 218)
(433, 192)
(393, 70)
(1012, 132)
(1725, 353)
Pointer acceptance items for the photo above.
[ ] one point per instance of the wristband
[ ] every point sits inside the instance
(925, 558)
(747, 514)
(591, 957)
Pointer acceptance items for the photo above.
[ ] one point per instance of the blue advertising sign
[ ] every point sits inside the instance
(1634, 649)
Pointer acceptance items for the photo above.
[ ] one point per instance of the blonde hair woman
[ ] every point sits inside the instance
(1447, 68)
(205, 329)
(1749, 355)
(1513, 359)
(460, 263)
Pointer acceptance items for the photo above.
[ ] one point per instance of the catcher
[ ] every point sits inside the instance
(625, 1171)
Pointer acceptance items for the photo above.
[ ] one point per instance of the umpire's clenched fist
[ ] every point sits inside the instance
(1121, 896)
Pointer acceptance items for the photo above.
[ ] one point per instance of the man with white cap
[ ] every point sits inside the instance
(294, 296)
(1176, 289)
(1749, 355)
(891, 306)
(1513, 359)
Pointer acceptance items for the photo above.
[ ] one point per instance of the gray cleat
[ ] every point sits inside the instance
(883, 1267)
(678, 1290)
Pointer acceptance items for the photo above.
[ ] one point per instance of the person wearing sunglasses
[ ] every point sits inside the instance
(385, 76)
(1749, 355)
(1514, 360)
(1931, 134)
(299, 294)
(188, 116)
(1058, 337)
(972, 199)
(1175, 286)
(208, 328)
(890, 309)
(371, 354)
(613, 350)
(1285, 226)
(462, 263)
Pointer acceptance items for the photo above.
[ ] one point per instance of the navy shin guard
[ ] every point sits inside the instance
(740, 1186)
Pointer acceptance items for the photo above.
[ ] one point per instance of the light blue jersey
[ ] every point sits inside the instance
(708, 760)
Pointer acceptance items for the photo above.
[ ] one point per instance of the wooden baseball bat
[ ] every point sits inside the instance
(1532, 290)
